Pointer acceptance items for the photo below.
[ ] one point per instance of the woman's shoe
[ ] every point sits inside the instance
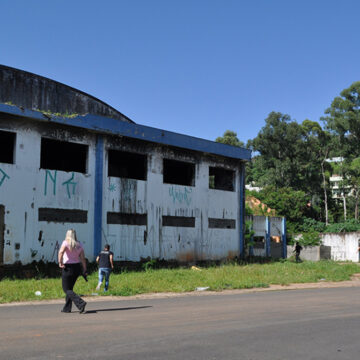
(82, 308)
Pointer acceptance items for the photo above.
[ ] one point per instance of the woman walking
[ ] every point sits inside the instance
(71, 257)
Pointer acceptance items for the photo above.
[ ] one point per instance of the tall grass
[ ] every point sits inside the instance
(217, 278)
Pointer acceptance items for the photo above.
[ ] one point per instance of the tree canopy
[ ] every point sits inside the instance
(291, 162)
(230, 138)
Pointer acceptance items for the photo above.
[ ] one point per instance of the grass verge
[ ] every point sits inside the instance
(229, 276)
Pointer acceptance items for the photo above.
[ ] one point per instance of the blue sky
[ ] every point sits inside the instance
(197, 67)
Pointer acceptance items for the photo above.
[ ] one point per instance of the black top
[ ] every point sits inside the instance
(104, 259)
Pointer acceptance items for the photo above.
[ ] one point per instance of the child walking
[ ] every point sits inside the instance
(106, 265)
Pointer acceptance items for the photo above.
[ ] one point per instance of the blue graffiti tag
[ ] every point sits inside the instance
(68, 183)
(112, 187)
(52, 178)
(4, 176)
(180, 196)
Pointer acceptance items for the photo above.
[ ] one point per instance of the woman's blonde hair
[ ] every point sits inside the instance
(71, 239)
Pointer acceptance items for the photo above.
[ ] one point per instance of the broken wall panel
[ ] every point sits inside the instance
(63, 215)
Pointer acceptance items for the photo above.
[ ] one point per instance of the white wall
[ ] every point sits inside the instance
(157, 199)
(25, 191)
(344, 246)
(27, 188)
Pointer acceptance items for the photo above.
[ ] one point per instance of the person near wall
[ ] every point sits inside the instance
(106, 265)
(297, 251)
(73, 264)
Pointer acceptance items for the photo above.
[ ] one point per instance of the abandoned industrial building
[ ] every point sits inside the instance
(68, 160)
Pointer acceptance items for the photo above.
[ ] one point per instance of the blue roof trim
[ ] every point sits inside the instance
(117, 127)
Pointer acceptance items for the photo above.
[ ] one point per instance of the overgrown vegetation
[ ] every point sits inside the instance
(292, 163)
(217, 278)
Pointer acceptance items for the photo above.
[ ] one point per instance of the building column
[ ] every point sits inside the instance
(283, 238)
(98, 196)
(267, 237)
(242, 209)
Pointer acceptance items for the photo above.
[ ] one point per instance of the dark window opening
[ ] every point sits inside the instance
(126, 219)
(222, 223)
(221, 179)
(7, 147)
(179, 172)
(127, 165)
(259, 242)
(178, 221)
(63, 155)
(62, 215)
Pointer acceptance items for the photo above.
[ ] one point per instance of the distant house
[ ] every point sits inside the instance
(337, 186)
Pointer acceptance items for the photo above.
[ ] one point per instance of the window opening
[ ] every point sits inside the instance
(178, 221)
(126, 219)
(259, 242)
(63, 155)
(127, 165)
(7, 147)
(63, 215)
(221, 179)
(178, 172)
(222, 223)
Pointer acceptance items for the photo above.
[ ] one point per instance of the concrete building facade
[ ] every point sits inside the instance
(147, 192)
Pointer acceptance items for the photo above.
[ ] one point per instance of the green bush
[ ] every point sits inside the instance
(348, 226)
(311, 238)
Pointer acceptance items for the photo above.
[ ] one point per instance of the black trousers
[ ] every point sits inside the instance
(69, 276)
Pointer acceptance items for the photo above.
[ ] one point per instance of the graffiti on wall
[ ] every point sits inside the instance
(50, 180)
(70, 182)
(180, 195)
(52, 177)
(112, 187)
(3, 176)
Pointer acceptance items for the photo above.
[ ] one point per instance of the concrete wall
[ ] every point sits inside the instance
(25, 188)
(344, 246)
(311, 253)
(31, 91)
(338, 247)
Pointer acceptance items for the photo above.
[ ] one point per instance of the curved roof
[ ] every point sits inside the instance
(35, 92)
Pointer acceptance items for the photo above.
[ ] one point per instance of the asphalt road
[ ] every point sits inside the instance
(300, 324)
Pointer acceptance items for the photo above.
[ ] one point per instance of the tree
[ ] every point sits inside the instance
(230, 138)
(282, 161)
(287, 202)
(320, 144)
(343, 119)
(354, 181)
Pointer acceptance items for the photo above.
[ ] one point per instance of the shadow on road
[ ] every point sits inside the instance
(117, 309)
